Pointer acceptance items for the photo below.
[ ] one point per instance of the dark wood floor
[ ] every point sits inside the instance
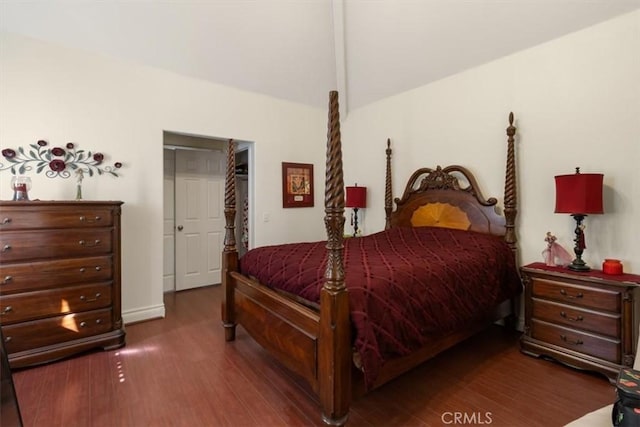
(178, 371)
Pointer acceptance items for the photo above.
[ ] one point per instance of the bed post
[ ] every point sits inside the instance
(230, 253)
(334, 348)
(510, 212)
(510, 189)
(388, 191)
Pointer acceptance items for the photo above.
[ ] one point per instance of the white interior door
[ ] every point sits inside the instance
(199, 210)
(168, 194)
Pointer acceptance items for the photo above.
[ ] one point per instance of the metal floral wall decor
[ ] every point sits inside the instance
(57, 162)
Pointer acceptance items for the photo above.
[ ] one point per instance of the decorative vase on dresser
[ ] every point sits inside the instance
(587, 320)
(59, 279)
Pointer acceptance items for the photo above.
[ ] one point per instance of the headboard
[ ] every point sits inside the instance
(450, 197)
(435, 197)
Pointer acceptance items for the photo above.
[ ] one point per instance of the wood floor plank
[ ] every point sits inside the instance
(77, 389)
(50, 409)
(179, 371)
(253, 400)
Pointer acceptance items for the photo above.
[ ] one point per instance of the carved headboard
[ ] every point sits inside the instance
(446, 197)
(450, 197)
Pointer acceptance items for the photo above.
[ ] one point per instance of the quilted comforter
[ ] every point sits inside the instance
(406, 285)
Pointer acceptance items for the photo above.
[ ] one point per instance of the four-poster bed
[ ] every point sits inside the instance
(338, 306)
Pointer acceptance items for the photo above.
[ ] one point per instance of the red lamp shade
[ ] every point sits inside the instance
(580, 193)
(356, 197)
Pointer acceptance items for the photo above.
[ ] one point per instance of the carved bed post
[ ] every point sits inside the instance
(510, 212)
(388, 191)
(510, 190)
(230, 253)
(334, 341)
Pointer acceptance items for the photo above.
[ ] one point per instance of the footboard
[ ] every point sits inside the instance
(287, 330)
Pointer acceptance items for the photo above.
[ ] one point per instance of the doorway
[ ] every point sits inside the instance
(243, 207)
(193, 230)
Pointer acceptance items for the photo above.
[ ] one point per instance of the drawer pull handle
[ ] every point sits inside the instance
(573, 319)
(6, 248)
(89, 244)
(565, 294)
(98, 268)
(88, 220)
(83, 324)
(98, 321)
(568, 341)
(6, 310)
(7, 339)
(85, 299)
(6, 221)
(82, 270)
(7, 279)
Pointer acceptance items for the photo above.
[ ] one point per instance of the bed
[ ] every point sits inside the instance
(348, 315)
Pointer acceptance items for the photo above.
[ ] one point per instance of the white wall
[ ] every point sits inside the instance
(576, 102)
(121, 109)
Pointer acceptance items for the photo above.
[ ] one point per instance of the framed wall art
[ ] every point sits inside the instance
(297, 185)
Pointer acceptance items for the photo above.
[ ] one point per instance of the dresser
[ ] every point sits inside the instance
(59, 279)
(587, 320)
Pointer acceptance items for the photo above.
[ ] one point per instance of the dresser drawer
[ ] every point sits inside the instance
(40, 333)
(27, 276)
(589, 297)
(53, 302)
(573, 317)
(583, 342)
(25, 245)
(19, 218)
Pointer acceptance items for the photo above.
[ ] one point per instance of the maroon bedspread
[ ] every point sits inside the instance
(406, 285)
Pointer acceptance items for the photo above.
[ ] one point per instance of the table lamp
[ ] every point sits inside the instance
(356, 199)
(579, 194)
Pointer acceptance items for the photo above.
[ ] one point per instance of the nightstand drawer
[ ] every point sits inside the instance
(589, 297)
(572, 339)
(573, 317)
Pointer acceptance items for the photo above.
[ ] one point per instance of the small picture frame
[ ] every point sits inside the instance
(297, 185)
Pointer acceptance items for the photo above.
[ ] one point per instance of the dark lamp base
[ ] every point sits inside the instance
(578, 266)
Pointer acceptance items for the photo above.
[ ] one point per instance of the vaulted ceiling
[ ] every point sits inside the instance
(300, 49)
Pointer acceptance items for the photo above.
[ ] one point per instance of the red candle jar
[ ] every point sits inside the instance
(612, 266)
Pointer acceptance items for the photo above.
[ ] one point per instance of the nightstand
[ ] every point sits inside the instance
(587, 320)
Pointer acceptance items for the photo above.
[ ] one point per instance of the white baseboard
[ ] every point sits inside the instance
(140, 314)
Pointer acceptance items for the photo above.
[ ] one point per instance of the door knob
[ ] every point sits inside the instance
(180, 228)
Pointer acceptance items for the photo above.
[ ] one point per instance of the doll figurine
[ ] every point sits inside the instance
(554, 254)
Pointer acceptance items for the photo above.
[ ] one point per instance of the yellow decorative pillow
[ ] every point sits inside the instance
(440, 215)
